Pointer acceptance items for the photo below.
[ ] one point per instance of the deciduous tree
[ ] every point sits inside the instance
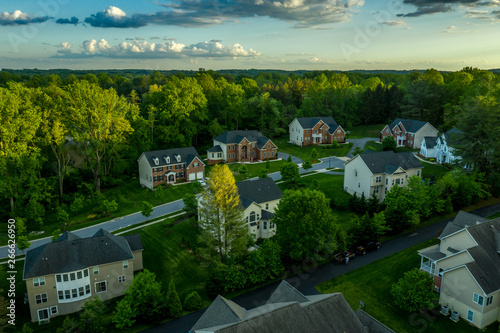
(147, 209)
(414, 291)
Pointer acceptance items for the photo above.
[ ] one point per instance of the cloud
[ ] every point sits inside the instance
(74, 20)
(19, 18)
(394, 22)
(425, 7)
(141, 49)
(114, 17)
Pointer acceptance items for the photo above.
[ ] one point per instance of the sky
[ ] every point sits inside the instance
(245, 34)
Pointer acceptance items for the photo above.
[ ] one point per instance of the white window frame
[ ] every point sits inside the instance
(125, 264)
(41, 298)
(478, 299)
(48, 314)
(121, 278)
(96, 270)
(99, 283)
(489, 300)
(469, 311)
(54, 307)
(39, 282)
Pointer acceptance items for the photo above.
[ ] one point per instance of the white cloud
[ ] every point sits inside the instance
(17, 17)
(65, 47)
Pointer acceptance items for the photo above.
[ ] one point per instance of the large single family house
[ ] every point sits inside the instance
(465, 266)
(62, 275)
(241, 146)
(408, 133)
(376, 172)
(315, 131)
(170, 166)
(441, 148)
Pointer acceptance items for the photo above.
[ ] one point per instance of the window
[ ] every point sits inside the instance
(268, 145)
(72, 276)
(121, 278)
(155, 178)
(356, 173)
(470, 315)
(65, 278)
(253, 145)
(271, 225)
(125, 264)
(265, 225)
(253, 153)
(195, 165)
(489, 300)
(74, 292)
(87, 289)
(338, 131)
(265, 154)
(375, 190)
(160, 178)
(60, 294)
(41, 298)
(38, 282)
(267, 206)
(378, 179)
(43, 314)
(79, 275)
(86, 273)
(252, 216)
(81, 292)
(96, 270)
(386, 181)
(67, 294)
(100, 287)
(393, 182)
(219, 155)
(478, 299)
(441, 270)
(53, 310)
(58, 278)
(418, 172)
(234, 155)
(272, 154)
(359, 184)
(168, 159)
(385, 190)
(234, 147)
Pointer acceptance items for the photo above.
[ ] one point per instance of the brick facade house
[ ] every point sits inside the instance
(315, 131)
(408, 133)
(170, 166)
(241, 146)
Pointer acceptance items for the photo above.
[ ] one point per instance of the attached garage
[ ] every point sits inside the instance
(192, 176)
(199, 175)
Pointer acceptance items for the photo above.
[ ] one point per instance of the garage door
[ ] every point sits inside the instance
(192, 176)
(199, 175)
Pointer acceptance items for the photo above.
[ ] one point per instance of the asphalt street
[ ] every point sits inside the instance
(305, 282)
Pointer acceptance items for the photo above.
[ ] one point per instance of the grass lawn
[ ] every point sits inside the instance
(373, 146)
(494, 216)
(253, 169)
(434, 169)
(366, 131)
(372, 284)
(304, 153)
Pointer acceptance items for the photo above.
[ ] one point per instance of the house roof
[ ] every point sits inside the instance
(259, 191)
(266, 215)
(70, 253)
(486, 265)
(286, 293)
(388, 161)
(371, 324)
(316, 313)
(186, 154)
(214, 149)
(236, 137)
(461, 221)
(412, 126)
(430, 141)
(452, 137)
(310, 122)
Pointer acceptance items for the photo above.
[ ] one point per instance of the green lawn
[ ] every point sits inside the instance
(372, 283)
(434, 169)
(253, 169)
(373, 146)
(366, 131)
(304, 153)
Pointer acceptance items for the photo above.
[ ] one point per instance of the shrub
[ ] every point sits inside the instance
(193, 301)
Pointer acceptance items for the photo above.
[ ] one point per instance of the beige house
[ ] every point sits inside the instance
(62, 275)
(259, 199)
(315, 131)
(466, 268)
(376, 172)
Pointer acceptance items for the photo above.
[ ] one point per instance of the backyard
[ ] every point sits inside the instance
(372, 283)
(304, 153)
(365, 131)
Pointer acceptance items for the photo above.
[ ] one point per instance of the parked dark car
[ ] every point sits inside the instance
(370, 246)
(340, 257)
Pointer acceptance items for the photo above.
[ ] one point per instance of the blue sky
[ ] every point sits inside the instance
(265, 34)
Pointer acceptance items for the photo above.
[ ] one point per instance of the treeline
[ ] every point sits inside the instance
(106, 121)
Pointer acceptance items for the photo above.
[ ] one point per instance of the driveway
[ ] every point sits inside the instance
(284, 156)
(359, 143)
(305, 282)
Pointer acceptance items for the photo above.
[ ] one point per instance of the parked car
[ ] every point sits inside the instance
(341, 257)
(370, 246)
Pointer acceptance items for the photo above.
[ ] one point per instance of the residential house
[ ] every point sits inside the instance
(408, 133)
(315, 131)
(170, 166)
(445, 151)
(376, 172)
(465, 266)
(62, 275)
(428, 148)
(259, 199)
(241, 146)
(288, 310)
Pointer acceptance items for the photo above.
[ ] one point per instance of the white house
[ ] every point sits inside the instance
(445, 152)
(428, 148)
(376, 172)
(315, 130)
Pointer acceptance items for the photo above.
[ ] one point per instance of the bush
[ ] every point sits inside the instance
(193, 302)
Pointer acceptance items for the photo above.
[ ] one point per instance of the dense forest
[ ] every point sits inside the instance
(109, 118)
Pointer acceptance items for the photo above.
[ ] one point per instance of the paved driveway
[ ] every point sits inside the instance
(359, 143)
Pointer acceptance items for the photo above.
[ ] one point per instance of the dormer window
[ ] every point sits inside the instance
(167, 159)
(178, 158)
(156, 160)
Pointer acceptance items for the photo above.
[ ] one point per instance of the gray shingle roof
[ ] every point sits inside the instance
(215, 149)
(410, 125)
(187, 155)
(266, 215)
(389, 162)
(462, 220)
(310, 122)
(220, 312)
(134, 241)
(371, 324)
(237, 136)
(286, 293)
(486, 265)
(430, 141)
(70, 253)
(259, 191)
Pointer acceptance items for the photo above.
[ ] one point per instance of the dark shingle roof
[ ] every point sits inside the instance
(430, 141)
(134, 241)
(215, 149)
(70, 253)
(187, 155)
(371, 324)
(389, 162)
(410, 125)
(259, 191)
(286, 293)
(462, 220)
(310, 122)
(220, 312)
(453, 136)
(237, 136)
(486, 265)
(266, 215)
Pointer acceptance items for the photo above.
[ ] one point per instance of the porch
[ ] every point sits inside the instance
(429, 256)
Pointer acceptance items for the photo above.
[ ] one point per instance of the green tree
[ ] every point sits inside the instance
(109, 207)
(124, 314)
(357, 151)
(243, 169)
(147, 209)
(160, 193)
(62, 215)
(289, 159)
(268, 165)
(173, 303)
(389, 144)
(306, 165)
(314, 154)
(92, 316)
(190, 203)
(263, 173)
(26, 329)
(368, 229)
(56, 234)
(335, 145)
(289, 173)
(223, 229)
(304, 220)
(414, 291)
(193, 301)
(21, 235)
(69, 325)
